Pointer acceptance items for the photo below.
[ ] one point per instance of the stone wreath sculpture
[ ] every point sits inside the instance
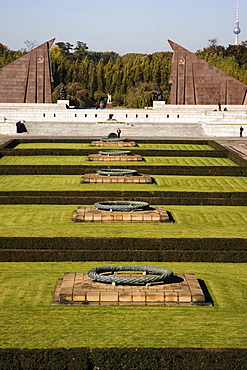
(116, 172)
(112, 137)
(119, 205)
(114, 152)
(158, 274)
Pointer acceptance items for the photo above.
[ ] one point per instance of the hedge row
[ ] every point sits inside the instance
(121, 249)
(126, 194)
(153, 200)
(143, 152)
(122, 255)
(14, 142)
(151, 170)
(123, 358)
(128, 244)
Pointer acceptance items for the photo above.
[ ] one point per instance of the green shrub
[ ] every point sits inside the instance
(123, 358)
(143, 152)
(46, 359)
(152, 197)
(168, 358)
(122, 249)
(151, 170)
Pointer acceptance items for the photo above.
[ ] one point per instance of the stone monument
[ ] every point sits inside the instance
(108, 103)
(196, 82)
(28, 78)
(134, 285)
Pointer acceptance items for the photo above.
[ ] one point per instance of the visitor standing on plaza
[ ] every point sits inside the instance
(241, 131)
(118, 132)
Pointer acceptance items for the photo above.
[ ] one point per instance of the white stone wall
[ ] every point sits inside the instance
(169, 119)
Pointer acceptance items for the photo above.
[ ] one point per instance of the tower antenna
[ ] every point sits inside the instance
(236, 30)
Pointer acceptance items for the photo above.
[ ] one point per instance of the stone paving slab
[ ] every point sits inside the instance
(113, 143)
(95, 178)
(80, 289)
(111, 158)
(92, 214)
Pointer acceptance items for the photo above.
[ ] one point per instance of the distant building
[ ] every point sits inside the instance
(236, 30)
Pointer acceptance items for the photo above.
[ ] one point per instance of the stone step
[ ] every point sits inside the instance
(101, 130)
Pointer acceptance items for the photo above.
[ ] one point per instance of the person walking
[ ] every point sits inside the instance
(241, 131)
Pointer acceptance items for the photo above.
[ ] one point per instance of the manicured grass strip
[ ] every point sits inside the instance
(30, 321)
(88, 146)
(68, 145)
(163, 183)
(190, 221)
(175, 146)
(201, 183)
(81, 160)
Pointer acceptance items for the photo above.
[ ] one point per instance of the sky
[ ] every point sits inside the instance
(130, 26)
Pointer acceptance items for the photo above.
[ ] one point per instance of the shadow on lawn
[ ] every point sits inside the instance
(208, 298)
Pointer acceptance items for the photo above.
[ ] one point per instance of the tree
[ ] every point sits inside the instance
(213, 42)
(100, 75)
(3, 49)
(92, 81)
(78, 96)
(108, 71)
(65, 47)
(31, 44)
(80, 50)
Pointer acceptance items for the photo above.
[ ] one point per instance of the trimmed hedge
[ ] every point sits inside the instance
(46, 359)
(154, 201)
(152, 197)
(168, 358)
(219, 151)
(123, 255)
(151, 170)
(29, 249)
(143, 152)
(14, 142)
(90, 243)
(123, 358)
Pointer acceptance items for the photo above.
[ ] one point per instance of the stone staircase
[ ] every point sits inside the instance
(174, 129)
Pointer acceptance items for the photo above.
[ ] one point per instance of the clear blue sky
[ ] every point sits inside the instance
(138, 26)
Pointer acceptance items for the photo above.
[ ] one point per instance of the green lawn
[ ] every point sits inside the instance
(87, 146)
(81, 160)
(163, 183)
(190, 222)
(30, 321)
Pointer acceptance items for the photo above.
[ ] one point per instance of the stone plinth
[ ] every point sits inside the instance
(92, 214)
(109, 105)
(79, 289)
(95, 178)
(113, 143)
(111, 158)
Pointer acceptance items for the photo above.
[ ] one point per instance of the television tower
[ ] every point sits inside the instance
(236, 30)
